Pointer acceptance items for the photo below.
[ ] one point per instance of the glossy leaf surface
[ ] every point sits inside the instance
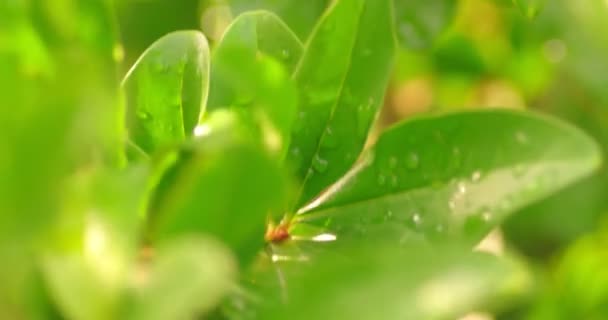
(341, 80)
(299, 15)
(167, 90)
(454, 175)
(251, 70)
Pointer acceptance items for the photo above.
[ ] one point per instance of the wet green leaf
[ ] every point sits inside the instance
(341, 77)
(438, 283)
(189, 277)
(251, 69)
(167, 90)
(262, 32)
(455, 175)
(224, 185)
(299, 15)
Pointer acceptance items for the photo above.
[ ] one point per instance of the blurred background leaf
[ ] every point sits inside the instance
(381, 281)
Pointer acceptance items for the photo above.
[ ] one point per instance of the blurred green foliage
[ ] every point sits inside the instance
(232, 159)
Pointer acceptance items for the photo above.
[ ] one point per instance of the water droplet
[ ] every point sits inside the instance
(118, 52)
(439, 228)
(456, 157)
(452, 204)
(381, 179)
(348, 158)
(412, 161)
(329, 139)
(521, 137)
(417, 219)
(393, 162)
(486, 216)
(319, 164)
(476, 176)
(143, 115)
(394, 181)
(161, 66)
(462, 187)
(296, 156)
(388, 215)
(285, 54)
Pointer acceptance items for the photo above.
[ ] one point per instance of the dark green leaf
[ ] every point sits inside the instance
(167, 90)
(341, 77)
(388, 282)
(190, 276)
(225, 186)
(419, 23)
(454, 175)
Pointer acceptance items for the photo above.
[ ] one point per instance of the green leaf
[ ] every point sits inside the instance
(251, 70)
(262, 32)
(167, 90)
(223, 185)
(389, 282)
(454, 175)
(341, 77)
(89, 256)
(419, 23)
(190, 277)
(301, 16)
(60, 109)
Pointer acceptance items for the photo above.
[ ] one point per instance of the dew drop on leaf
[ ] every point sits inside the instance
(329, 139)
(394, 181)
(143, 115)
(412, 161)
(285, 54)
(381, 180)
(416, 219)
(521, 137)
(319, 164)
(393, 162)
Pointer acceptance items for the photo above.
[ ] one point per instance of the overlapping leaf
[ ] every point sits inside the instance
(251, 70)
(341, 80)
(455, 175)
